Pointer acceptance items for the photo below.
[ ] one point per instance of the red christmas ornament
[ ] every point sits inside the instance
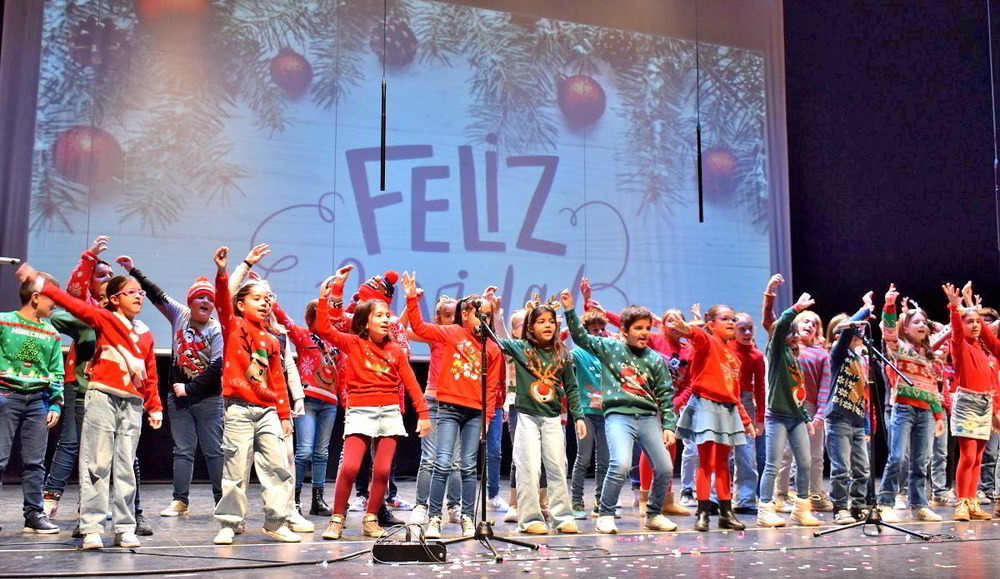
(292, 72)
(87, 155)
(153, 11)
(719, 170)
(581, 99)
(400, 42)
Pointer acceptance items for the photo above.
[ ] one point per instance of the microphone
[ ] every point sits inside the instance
(9, 261)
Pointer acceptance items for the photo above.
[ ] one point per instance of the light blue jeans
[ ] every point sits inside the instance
(312, 441)
(988, 475)
(779, 430)
(911, 430)
(939, 464)
(428, 453)
(848, 452)
(456, 423)
(494, 448)
(744, 459)
(623, 430)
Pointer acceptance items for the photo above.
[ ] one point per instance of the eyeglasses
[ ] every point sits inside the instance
(130, 292)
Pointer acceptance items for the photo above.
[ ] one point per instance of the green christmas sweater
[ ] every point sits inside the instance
(543, 379)
(85, 340)
(31, 358)
(641, 383)
(786, 390)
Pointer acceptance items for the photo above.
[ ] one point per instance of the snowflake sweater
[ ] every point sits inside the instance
(641, 386)
(31, 358)
(849, 397)
(919, 369)
(543, 380)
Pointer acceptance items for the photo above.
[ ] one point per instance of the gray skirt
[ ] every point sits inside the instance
(704, 420)
(374, 421)
(971, 414)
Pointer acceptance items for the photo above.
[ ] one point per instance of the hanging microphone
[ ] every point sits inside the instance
(9, 261)
(701, 180)
(382, 164)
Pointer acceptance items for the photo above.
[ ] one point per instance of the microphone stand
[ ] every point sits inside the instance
(874, 517)
(484, 528)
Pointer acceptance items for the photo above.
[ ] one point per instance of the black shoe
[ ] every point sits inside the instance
(76, 532)
(386, 519)
(319, 506)
(298, 502)
(142, 526)
(745, 510)
(701, 520)
(727, 519)
(37, 522)
(713, 508)
(859, 513)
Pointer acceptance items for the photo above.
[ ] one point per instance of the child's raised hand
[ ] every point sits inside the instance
(869, 301)
(410, 284)
(696, 311)
(775, 281)
(340, 278)
(258, 253)
(805, 302)
(26, 273)
(253, 275)
(675, 322)
(953, 295)
(581, 430)
(668, 437)
(585, 289)
(324, 288)
(567, 300)
(491, 296)
(891, 295)
(423, 428)
(126, 262)
(221, 258)
(967, 293)
(100, 244)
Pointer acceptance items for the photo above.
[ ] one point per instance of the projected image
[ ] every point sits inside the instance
(523, 152)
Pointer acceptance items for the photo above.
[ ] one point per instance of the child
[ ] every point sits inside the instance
(122, 382)
(589, 373)
(195, 417)
(785, 418)
(375, 368)
(714, 418)
(753, 392)
(257, 409)
(459, 398)
(916, 412)
(846, 419)
(641, 388)
(545, 375)
(975, 400)
(31, 394)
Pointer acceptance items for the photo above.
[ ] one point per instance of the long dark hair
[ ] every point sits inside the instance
(114, 286)
(469, 303)
(556, 347)
(364, 311)
(243, 292)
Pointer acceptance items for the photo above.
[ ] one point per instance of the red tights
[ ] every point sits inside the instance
(713, 458)
(646, 469)
(355, 447)
(970, 462)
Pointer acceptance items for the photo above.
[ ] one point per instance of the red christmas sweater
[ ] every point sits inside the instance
(458, 381)
(124, 364)
(374, 372)
(752, 375)
(79, 287)
(322, 367)
(974, 368)
(251, 368)
(715, 371)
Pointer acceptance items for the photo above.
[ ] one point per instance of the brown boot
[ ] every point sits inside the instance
(335, 528)
(962, 510)
(369, 526)
(672, 509)
(976, 512)
(643, 502)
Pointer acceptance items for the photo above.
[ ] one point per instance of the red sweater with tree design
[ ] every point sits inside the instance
(322, 367)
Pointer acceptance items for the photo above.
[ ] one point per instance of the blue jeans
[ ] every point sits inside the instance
(464, 424)
(689, 464)
(312, 441)
(68, 447)
(428, 454)
(744, 458)
(193, 423)
(494, 448)
(781, 429)
(25, 413)
(988, 475)
(848, 452)
(939, 465)
(594, 444)
(622, 431)
(911, 430)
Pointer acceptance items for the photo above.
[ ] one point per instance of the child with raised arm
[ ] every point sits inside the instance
(256, 409)
(638, 407)
(376, 366)
(123, 381)
(589, 375)
(31, 394)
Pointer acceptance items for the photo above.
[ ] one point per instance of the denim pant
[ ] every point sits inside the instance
(68, 447)
(108, 441)
(779, 430)
(911, 431)
(25, 413)
(939, 464)
(541, 439)
(194, 423)
(744, 458)
(848, 451)
(428, 453)
(494, 450)
(465, 424)
(312, 441)
(689, 464)
(622, 431)
(594, 444)
(988, 475)
(817, 447)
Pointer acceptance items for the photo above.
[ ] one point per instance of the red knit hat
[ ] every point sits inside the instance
(201, 286)
(379, 287)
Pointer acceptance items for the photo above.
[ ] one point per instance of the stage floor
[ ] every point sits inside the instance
(185, 543)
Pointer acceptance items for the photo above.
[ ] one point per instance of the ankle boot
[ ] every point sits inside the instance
(643, 502)
(672, 509)
(701, 520)
(298, 502)
(319, 506)
(727, 518)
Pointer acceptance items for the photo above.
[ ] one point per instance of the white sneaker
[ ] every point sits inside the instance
(126, 540)
(455, 514)
(498, 504)
(283, 534)
(511, 516)
(606, 524)
(433, 530)
(468, 526)
(784, 505)
(983, 499)
(843, 517)
(224, 536)
(398, 504)
(660, 523)
(92, 541)
(900, 504)
(358, 505)
(926, 514)
(50, 504)
(888, 514)
(418, 516)
(688, 500)
(299, 524)
(176, 509)
(767, 517)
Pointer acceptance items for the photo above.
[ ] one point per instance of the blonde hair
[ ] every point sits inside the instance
(817, 323)
(831, 328)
